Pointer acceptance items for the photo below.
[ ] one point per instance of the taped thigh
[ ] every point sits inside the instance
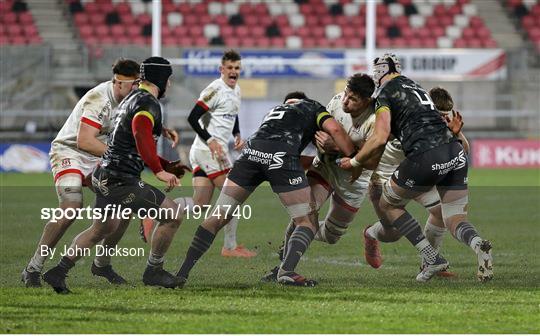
(456, 207)
(337, 221)
(390, 196)
(69, 188)
(225, 205)
(300, 209)
(429, 199)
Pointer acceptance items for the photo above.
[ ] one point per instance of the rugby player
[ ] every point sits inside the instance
(433, 157)
(74, 153)
(132, 144)
(215, 118)
(393, 155)
(272, 154)
(352, 109)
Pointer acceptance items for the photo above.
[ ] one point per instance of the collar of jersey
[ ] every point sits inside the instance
(144, 87)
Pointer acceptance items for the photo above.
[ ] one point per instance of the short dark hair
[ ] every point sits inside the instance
(126, 67)
(361, 85)
(441, 98)
(295, 95)
(230, 55)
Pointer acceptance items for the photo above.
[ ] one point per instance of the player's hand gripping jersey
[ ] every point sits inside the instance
(95, 109)
(122, 155)
(273, 152)
(419, 127)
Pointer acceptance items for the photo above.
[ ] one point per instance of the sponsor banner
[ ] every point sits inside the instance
(270, 63)
(506, 153)
(25, 158)
(441, 64)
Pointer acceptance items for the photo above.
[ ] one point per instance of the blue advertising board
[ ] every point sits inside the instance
(267, 63)
(25, 157)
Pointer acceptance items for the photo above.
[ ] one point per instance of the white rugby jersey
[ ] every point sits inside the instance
(223, 105)
(94, 109)
(358, 128)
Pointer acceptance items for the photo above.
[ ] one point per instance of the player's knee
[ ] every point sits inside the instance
(456, 209)
(435, 216)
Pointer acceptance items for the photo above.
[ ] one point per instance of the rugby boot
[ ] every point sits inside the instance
(239, 252)
(431, 269)
(295, 279)
(372, 253)
(31, 279)
(56, 278)
(445, 273)
(157, 276)
(485, 261)
(271, 276)
(108, 273)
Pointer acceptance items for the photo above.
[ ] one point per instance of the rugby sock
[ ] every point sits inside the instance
(288, 233)
(65, 264)
(466, 233)
(200, 244)
(155, 260)
(409, 227)
(319, 236)
(36, 262)
(102, 261)
(229, 234)
(434, 234)
(297, 245)
(374, 230)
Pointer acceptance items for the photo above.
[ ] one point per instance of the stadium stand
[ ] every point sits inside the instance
(17, 24)
(527, 14)
(293, 25)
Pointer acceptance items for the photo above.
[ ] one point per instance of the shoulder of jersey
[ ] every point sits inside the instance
(335, 103)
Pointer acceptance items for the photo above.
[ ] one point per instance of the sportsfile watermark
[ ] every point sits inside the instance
(118, 211)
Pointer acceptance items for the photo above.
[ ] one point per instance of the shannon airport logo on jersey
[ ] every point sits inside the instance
(273, 160)
(456, 163)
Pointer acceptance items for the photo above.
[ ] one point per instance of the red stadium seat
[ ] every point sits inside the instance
(80, 19)
(309, 42)
(247, 42)
(18, 40)
(278, 42)
(200, 42)
(102, 31)
(9, 18)
(262, 42)
(25, 18)
(460, 43)
(118, 30)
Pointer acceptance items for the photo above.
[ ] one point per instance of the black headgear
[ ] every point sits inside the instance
(157, 71)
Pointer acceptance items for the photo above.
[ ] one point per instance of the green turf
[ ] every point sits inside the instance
(225, 296)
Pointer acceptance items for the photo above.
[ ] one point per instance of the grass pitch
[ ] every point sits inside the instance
(225, 295)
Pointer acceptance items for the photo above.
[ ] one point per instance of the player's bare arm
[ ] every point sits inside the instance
(171, 134)
(87, 140)
(338, 134)
(374, 145)
(325, 142)
(456, 125)
(238, 141)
